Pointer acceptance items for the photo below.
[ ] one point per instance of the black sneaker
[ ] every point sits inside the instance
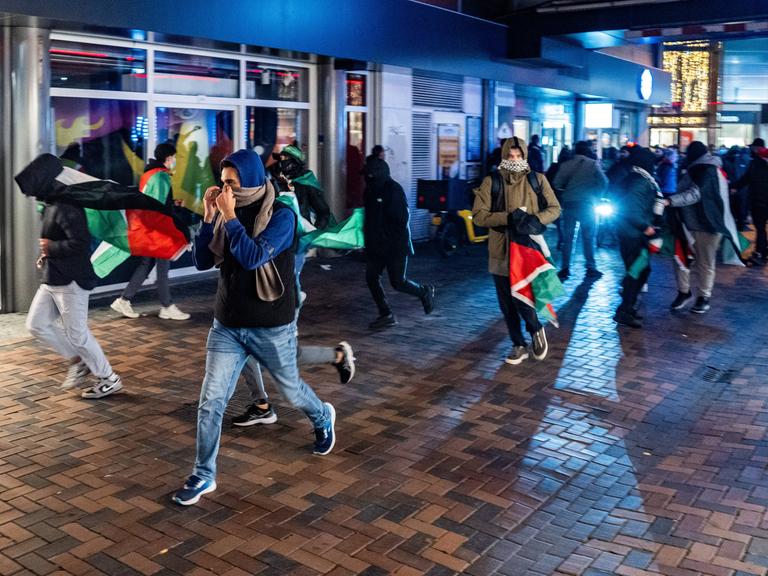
(627, 319)
(540, 346)
(518, 354)
(593, 273)
(428, 299)
(255, 415)
(346, 366)
(564, 274)
(681, 301)
(701, 306)
(383, 322)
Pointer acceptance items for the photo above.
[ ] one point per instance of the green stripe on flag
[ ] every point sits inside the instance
(108, 226)
(106, 258)
(640, 264)
(346, 235)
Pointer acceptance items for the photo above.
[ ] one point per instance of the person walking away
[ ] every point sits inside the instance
(505, 204)
(755, 179)
(666, 172)
(58, 315)
(251, 238)
(155, 182)
(536, 155)
(583, 183)
(701, 210)
(564, 155)
(388, 243)
(639, 205)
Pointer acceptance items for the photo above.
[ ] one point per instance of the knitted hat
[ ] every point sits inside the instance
(294, 152)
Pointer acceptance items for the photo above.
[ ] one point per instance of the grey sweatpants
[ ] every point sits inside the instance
(141, 273)
(58, 317)
(305, 356)
(705, 248)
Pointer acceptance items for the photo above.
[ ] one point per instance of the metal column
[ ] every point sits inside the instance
(25, 112)
(332, 151)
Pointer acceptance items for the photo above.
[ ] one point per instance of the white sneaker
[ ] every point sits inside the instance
(124, 307)
(77, 375)
(172, 313)
(104, 387)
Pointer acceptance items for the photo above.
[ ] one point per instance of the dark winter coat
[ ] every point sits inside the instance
(756, 177)
(386, 221)
(69, 255)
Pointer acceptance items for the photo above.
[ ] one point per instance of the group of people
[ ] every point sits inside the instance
(250, 230)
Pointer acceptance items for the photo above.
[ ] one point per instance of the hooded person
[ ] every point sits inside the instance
(582, 183)
(666, 172)
(305, 184)
(702, 206)
(155, 182)
(512, 208)
(755, 181)
(58, 314)
(639, 204)
(388, 242)
(251, 238)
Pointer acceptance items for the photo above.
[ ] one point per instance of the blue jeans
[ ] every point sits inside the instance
(228, 349)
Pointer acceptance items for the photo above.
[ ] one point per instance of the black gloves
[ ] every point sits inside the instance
(520, 222)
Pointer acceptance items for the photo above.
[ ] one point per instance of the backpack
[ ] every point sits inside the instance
(499, 202)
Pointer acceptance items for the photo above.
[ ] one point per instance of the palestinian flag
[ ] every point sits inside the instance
(127, 222)
(532, 274)
(346, 235)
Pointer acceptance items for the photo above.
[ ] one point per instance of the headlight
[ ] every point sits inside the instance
(604, 209)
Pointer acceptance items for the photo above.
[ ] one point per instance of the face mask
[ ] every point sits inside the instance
(172, 165)
(514, 165)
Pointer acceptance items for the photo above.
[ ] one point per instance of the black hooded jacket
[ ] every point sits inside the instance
(635, 195)
(386, 213)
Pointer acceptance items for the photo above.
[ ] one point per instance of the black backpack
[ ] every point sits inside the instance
(499, 202)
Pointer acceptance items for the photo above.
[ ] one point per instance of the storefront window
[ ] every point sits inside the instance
(103, 138)
(745, 71)
(356, 89)
(202, 139)
(269, 130)
(276, 82)
(97, 67)
(355, 158)
(196, 75)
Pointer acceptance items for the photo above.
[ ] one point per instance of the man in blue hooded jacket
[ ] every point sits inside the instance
(252, 239)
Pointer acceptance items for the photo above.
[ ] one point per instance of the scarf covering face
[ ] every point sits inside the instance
(514, 165)
(269, 285)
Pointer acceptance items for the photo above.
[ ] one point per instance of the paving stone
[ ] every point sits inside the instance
(624, 452)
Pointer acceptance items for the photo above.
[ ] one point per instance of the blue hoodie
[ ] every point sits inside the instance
(249, 167)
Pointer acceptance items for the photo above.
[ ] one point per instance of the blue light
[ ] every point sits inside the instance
(138, 35)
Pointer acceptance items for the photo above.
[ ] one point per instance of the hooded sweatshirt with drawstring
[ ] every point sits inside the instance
(518, 194)
(237, 302)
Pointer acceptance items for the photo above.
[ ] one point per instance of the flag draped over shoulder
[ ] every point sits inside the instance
(532, 275)
(127, 222)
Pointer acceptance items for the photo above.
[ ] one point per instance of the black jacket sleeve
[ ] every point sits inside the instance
(319, 207)
(74, 225)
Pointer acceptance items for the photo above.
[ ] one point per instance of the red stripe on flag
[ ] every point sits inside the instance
(146, 176)
(153, 234)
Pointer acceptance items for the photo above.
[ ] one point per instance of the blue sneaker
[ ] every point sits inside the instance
(325, 437)
(193, 488)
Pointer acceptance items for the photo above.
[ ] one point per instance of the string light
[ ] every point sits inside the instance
(689, 67)
(677, 120)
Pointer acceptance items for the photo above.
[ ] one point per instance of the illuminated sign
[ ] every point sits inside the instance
(598, 115)
(645, 89)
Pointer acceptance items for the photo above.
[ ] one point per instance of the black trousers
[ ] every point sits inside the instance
(759, 219)
(514, 310)
(396, 265)
(630, 248)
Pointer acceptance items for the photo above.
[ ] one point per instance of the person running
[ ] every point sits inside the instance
(156, 182)
(388, 242)
(251, 238)
(638, 202)
(514, 208)
(58, 315)
(582, 183)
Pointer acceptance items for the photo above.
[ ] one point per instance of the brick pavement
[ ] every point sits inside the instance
(626, 452)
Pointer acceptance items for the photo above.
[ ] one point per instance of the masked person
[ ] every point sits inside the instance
(509, 207)
(252, 239)
(638, 202)
(388, 242)
(58, 315)
(155, 182)
(308, 191)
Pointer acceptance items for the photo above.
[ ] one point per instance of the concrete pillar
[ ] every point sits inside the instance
(25, 84)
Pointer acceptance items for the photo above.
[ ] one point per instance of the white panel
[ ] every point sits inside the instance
(423, 167)
(473, 96)
(395, 87)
